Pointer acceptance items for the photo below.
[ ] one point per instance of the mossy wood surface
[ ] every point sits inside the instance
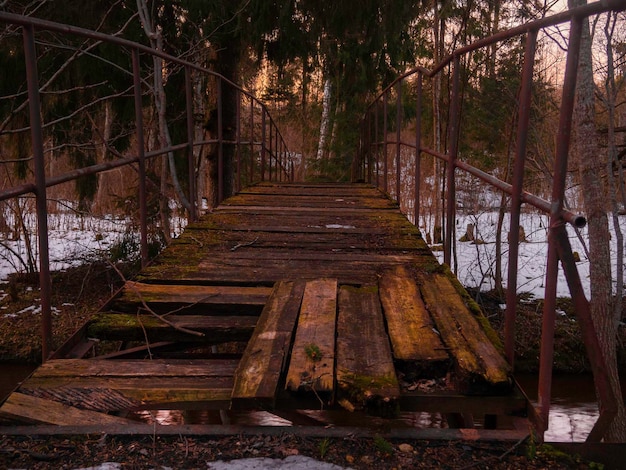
(411, 330)
(312, 365)
(211, 329)
(366, 375)
(265, 357)
(187, 299)
(480, 368)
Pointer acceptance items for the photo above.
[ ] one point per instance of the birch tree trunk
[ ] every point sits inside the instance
(156, 41)
(586, 150)
(324, 122)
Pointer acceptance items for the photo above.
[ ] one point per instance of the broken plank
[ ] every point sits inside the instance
(29, 409)
(480, 368)
(366, 377)
(416, 346)
(313, 353)
(136, 368)
(189, 299)
(260, 370)
(114, 326)
(119, 394)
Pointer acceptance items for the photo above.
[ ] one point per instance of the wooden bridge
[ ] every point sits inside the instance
(288, 297)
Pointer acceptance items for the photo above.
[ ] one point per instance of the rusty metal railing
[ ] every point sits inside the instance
(256, 135)
(380, 152)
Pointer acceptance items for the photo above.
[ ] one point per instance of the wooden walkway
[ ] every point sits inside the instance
(287, 297)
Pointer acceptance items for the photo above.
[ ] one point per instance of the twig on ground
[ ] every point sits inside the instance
(152, 312)
(240, 245)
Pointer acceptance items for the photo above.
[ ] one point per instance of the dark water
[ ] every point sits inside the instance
(11, 374)
(572, 414)
(573, 409)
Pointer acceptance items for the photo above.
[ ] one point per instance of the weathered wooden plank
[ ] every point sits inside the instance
(211, 329)
(190, 299)
(109, 394)
(260, 370)
(346, 257)
(338, 190)
(303, 210)
(136, 368)
(366, 377)
(480, 368)
(312, 365)
(300, 201)
(25, 408)
(413, 339)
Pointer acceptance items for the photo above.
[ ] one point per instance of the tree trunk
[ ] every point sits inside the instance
(610, 99)
(585, 148)
(324, 122)
(227, 65)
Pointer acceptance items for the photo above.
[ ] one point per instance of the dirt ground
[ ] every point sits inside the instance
(195, 452)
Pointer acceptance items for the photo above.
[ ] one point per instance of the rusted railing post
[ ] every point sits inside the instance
(418, 146)
(452, 156)
(193, 196)
(238, 141)
(263, 149)
(271, 148)
(368, 150)
(376, 146)
(36, 133)
(558, 194)
(252, 159)
(385, 162)
(141, 154)
(220, 143)
(516, 198)
(398, 136)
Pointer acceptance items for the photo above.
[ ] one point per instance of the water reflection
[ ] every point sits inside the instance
(288, 418)
(573, 410)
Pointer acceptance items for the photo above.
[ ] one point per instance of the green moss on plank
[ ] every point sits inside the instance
(475, 309)
(102, 324)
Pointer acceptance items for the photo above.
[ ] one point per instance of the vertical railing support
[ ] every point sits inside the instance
(36, 132)
(398, 136)
(516, 198)
(193, 196)
(252, 159)
(385, 162)
(141, 154)
(263, 148)
(376, 146)
(271, 154)
(220, 142)
(238, 141)
(418, 149)
(452, 156)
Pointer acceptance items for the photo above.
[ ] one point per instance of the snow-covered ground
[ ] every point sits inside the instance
(72, 240)
(476, 262)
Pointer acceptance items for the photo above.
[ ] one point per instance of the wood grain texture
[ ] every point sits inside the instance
(312, 365)
(366, 377)
(411, 330)
(25, 408)
(480, 368)
(261, 367)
